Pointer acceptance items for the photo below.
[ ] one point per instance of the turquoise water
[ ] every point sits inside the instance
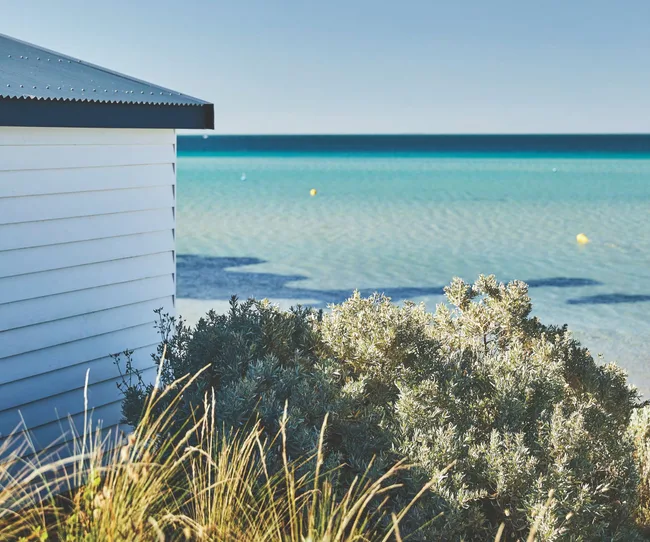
(407, 223)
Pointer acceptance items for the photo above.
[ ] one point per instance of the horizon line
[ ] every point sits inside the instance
(424, 134)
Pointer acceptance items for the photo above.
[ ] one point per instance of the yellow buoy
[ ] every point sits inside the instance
(313, 192)
(582, 239)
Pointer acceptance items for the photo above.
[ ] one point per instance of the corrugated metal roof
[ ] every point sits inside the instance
(31, 72)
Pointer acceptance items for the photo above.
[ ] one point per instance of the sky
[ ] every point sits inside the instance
(371, 66)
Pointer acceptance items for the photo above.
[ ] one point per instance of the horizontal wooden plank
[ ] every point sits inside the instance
(65, 404)
(34, 260)
(35, 388)
(111, 437)
(60, 181)
(47, 360)
(46, 309)
(54, 435)
(81, 277)
(68, 230)
(59, 407)
(74, 156)
(27, 339)
(54, 206)
(18, 135)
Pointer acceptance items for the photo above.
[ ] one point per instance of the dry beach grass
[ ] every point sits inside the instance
(206, 486)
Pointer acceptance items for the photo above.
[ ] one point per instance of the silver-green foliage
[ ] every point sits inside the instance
(519, 408)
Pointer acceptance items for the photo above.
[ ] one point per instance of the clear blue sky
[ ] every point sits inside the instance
(371, 66)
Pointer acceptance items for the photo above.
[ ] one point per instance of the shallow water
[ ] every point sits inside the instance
(405, 224)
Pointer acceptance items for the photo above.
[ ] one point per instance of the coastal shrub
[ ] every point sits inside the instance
(256, 358)
(538, 433)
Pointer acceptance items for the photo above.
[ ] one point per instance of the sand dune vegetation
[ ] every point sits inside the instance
(371, 421)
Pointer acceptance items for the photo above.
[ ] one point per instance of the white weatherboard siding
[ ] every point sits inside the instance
(87, 220)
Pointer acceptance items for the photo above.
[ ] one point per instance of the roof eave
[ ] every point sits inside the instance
(77, 114)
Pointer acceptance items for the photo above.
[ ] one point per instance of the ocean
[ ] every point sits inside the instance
(404, 214)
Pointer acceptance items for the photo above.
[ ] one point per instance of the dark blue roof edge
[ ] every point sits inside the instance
(78, 114)
(101, 68)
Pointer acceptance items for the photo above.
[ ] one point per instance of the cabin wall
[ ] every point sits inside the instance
(87, 228)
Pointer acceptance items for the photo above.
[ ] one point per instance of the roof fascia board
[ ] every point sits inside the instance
(69, 114)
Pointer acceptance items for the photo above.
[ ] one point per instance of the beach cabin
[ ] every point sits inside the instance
(87, 230)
